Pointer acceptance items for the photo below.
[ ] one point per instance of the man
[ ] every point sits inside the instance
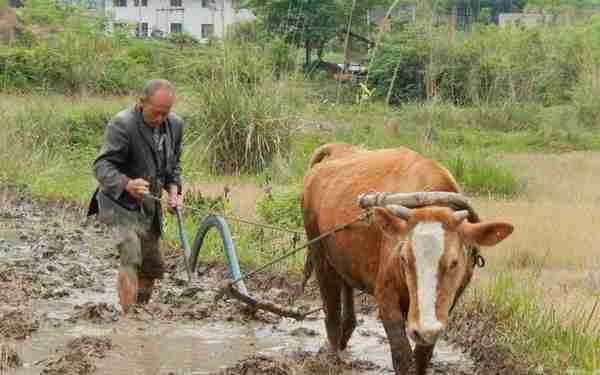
(139, 158)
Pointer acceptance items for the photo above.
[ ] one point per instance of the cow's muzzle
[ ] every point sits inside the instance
(426, 336)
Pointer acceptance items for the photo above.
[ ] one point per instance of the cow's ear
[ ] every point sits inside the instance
(389, 223)
(486, 234)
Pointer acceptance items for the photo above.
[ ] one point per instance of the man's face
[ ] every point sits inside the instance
(157, 107)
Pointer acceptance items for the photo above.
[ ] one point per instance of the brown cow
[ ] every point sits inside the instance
(414, 254)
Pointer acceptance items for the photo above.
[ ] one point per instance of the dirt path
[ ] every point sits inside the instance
(59, 313)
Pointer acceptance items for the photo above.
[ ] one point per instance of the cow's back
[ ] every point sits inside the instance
(331, 186)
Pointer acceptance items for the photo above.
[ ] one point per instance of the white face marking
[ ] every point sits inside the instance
(428, 247)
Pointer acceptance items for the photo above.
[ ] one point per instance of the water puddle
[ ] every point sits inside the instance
(202, 348)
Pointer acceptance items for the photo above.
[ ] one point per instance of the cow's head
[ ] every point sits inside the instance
(432, 244)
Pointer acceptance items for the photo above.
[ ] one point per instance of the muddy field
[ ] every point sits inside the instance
(59, 314)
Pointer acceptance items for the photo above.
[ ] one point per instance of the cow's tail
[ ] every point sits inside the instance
(320, 154)
(333, 151)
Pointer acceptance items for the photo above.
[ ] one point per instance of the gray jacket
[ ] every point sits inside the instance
(129, 152)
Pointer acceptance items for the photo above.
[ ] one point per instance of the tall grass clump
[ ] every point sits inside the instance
(242, 114)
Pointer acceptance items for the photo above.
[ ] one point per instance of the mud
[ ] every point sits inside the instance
(60, 310)
(77, 358)
(9, 358)
(17, 324)
(258, 365)
(100, 313)
(472, 328)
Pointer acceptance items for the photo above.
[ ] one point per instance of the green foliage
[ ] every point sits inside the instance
(478, 175)
(405, 53)
(55, 129)
(487, 65)
(312, 24)
(304, 24)
(183, 39)
(283, 208)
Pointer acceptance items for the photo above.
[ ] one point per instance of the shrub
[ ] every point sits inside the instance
(283, 208)
(478, 175)
(183, 39)
(245, 126)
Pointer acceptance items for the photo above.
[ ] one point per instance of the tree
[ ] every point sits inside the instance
(303, 23)
(310, 24)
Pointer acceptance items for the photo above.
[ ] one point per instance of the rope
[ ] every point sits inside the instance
(246, 221)
(363, 216)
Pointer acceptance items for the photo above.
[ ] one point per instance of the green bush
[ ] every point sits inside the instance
(586, 102)
(283, 208)
(478, 175)
(183, 39)
(487, 65)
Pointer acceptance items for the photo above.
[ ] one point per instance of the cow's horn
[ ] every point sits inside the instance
(455, 201)
(461, 215)
(400, 211)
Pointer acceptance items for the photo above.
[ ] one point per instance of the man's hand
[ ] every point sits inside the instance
(174, 200)
(138, 188)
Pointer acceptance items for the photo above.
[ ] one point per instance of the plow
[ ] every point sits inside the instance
(236, 287)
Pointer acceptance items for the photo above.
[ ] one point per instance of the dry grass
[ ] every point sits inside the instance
(243, 195)
(557, 237)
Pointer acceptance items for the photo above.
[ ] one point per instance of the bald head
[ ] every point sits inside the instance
(153, 86)
(156, 100)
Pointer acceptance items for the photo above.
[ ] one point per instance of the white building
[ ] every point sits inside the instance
(200, 18)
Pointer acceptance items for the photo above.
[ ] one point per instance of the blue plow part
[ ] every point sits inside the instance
(214, 221)
(185, 243)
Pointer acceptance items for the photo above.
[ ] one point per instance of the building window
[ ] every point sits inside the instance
(207, 31)
(177, 3)
(119, 3)
(176, 28)
(207, 4)
(142, 30)
(136, 3)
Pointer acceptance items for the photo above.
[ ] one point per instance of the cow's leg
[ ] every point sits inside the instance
(394, 323)
(330, 286)
(423, 356)
(348, 315)
(399, 345)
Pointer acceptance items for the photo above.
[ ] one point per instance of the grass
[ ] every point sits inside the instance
(533, 333)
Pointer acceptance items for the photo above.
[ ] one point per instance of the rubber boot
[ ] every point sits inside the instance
(127, 285)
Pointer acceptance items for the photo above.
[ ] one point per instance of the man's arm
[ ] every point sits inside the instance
(113, 153)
